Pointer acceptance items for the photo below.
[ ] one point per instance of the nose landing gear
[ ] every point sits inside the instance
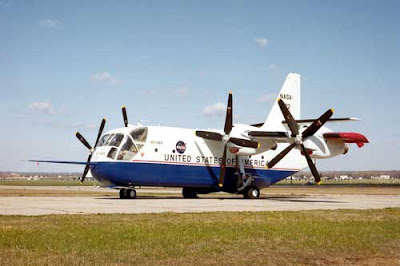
(127, 193)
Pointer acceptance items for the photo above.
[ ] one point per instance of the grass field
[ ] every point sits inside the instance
(310, 237)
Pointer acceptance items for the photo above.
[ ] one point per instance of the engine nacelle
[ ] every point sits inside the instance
(322, 149)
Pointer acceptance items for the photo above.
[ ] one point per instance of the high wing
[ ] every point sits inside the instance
(268, 134)
(274, 136)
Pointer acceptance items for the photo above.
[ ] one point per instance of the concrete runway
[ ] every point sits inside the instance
(85, 205)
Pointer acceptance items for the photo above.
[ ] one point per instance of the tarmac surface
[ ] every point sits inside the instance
(14, 205)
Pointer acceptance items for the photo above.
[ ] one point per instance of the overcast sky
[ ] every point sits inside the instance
(66, 64)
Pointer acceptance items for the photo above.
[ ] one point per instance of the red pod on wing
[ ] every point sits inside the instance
(348, 137)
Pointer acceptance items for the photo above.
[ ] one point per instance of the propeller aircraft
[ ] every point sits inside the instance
(241, 159)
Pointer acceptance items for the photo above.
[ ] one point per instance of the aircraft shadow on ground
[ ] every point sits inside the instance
(280, 198)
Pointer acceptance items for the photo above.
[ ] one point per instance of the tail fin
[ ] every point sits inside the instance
(290, 94)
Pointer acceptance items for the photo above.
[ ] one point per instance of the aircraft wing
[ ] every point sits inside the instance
(61, 162)
(268, 134)
(277, 136)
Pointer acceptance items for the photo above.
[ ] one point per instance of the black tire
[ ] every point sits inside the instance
(131, 194)
(251, 193)
(122, 193)
(188, 193)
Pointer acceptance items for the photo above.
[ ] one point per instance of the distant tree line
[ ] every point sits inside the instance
(353, 174)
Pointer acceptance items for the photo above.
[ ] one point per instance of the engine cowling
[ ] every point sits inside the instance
(322, 149)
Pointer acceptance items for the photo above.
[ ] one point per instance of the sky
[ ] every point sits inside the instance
(64, 65)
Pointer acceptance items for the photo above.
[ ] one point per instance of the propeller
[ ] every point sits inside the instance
(125, 116)
(300, 137)
(87, 145)
(226, 138)
(219, 137)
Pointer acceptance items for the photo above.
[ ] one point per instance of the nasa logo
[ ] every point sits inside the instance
(180, 147)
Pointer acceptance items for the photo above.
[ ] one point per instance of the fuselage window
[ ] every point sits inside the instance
(116, 140)
(103, 140)
(128, 150)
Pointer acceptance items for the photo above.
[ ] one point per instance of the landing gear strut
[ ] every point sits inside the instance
(251, 193)
(127, 193)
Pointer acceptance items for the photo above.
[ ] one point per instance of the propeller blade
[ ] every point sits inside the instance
(228, 118)
(294, 128)
(87, 167)
(125, 116)
(83, 140)
(245, 143)
(209, 135)
(103, 123)
(317, 124)
(281, 155)
(313, 169)
(223, 168)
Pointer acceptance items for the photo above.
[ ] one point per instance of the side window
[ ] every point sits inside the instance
(112, 153)
(128, 150)
(103, 140)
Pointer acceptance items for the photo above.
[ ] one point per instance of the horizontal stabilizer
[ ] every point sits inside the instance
(341, 119)
(306, 121)
(348, 137)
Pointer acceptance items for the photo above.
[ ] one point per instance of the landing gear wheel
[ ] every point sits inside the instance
(130, 194)
(127, 193)
(122, 193)
(251, 193)
(188, 193)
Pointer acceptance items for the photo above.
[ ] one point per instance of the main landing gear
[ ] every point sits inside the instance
(127, 193)
(189, 193)
(251, 193)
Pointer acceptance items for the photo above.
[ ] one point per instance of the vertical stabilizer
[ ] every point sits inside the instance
(290, 94)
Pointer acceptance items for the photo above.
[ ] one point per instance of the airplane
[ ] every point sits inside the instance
(240, 159)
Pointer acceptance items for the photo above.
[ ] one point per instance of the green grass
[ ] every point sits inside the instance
(309, 237)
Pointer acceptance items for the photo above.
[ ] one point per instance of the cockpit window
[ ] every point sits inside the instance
(115, 140)
(128, 149)
(103, 139)
(139, 135)
(107, 142)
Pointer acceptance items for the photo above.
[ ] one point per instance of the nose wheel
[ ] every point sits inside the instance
(127, 193)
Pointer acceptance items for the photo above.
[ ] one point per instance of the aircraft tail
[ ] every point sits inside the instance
(290, 94)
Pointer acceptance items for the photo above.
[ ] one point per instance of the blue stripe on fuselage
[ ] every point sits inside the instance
(176, 175)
